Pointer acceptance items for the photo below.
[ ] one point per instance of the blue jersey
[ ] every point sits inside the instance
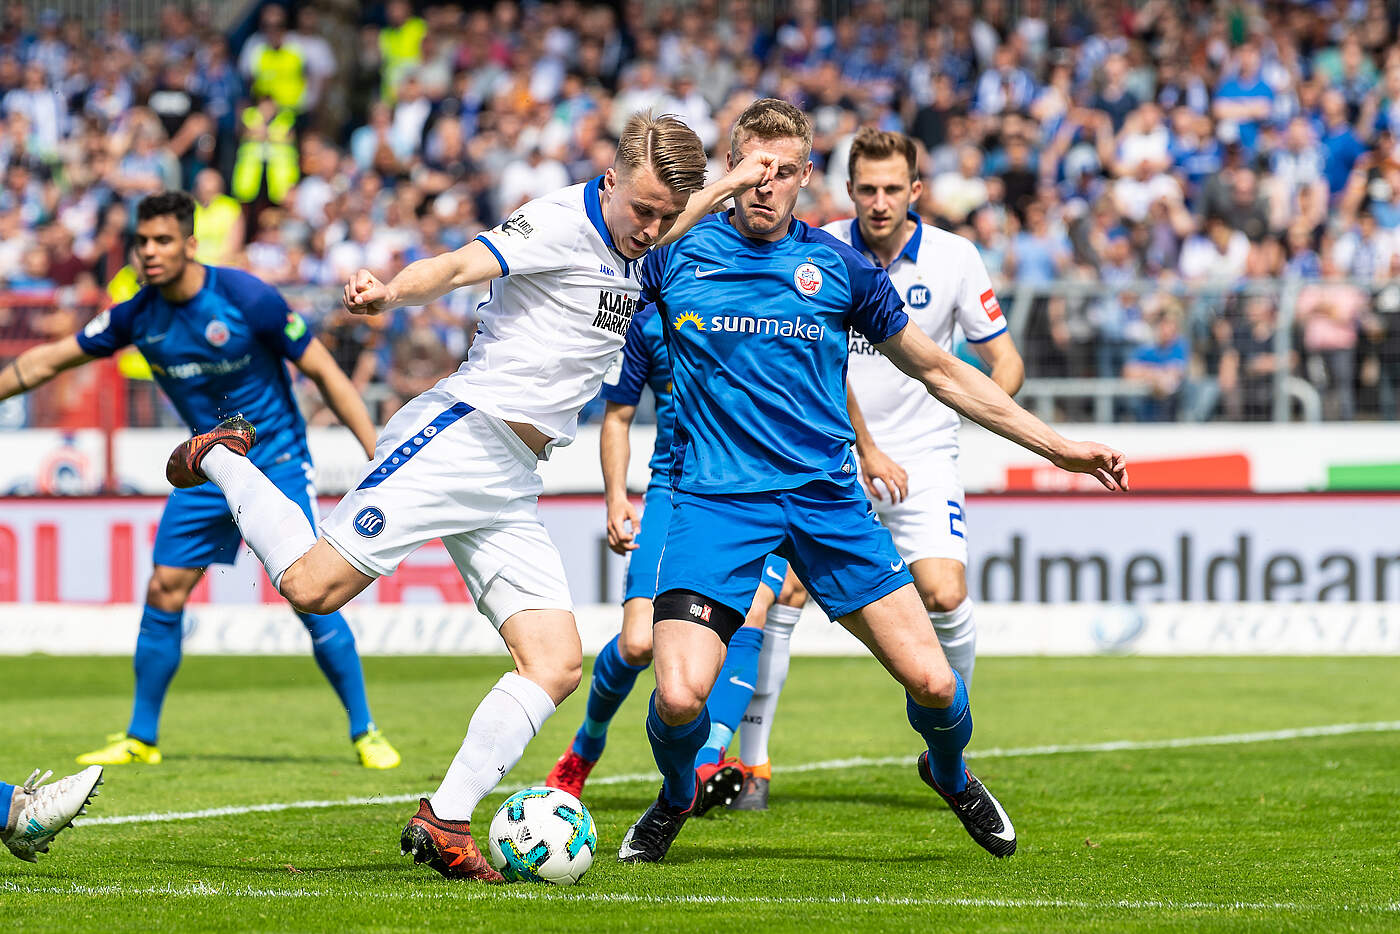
(222, 353)
(757, 333)
(645, 363)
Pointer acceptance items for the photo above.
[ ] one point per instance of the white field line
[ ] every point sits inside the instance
(1228, 739)
(545, 894)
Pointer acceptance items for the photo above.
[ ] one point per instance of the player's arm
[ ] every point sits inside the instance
(875, 464)
(615, 450)
(320, 367)
(1008, 369)
(754, 170)
(37, 365)
(422, 281)
(967, 391)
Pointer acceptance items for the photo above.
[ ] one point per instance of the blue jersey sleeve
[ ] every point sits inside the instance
(877, 311)
(636, 364)
(110, 331)
(653, 265)
(278, 327)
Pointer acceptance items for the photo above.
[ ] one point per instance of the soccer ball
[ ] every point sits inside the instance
(542, 835)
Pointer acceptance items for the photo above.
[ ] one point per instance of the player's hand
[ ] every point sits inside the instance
(365, 294)
(877, 465)
(1108, 466)
(755, 170)
(624, 525)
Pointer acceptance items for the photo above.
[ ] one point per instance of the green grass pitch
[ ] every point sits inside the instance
(1260, 834)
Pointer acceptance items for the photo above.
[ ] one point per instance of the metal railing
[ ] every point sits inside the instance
(1200, 306)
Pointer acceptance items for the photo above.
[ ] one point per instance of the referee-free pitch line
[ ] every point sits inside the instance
(498, 894)
(1125, 745)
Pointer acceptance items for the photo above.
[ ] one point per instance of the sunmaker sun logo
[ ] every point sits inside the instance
(743, 324)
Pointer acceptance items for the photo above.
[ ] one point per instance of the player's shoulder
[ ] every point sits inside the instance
(239, 285)
(841, 230)
(808, 237)
(571, 200)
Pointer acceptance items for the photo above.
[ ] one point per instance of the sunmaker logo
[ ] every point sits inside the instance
(743, 324)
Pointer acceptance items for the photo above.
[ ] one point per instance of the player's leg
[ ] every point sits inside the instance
(195, 531)
(307, 571)
(333, 644)
(32, 814)
(942, 586)
(772, 674)
(849, 562)
(937, 706)
(515, 575)
(713, 557)
(735, 687)
(930, 531)
(625, 656)
(615, 672)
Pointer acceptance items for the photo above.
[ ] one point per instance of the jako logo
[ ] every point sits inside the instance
(740, 324)
(808, 279)
(700, 611)
(369, 522)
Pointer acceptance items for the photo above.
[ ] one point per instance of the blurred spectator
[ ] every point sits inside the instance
(1160, 365)
(218, 221)
(1331, 314)
(1250, 362)
(273, 66)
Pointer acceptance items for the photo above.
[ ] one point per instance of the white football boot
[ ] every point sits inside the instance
(44, 810)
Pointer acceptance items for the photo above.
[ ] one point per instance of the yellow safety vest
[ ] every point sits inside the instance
(400, 50)
(278, 153)
(212, 227)
(281, 75)
(123, 287)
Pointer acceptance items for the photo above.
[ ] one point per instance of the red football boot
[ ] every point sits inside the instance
(445, 845)
(182, 470)
(570, 772)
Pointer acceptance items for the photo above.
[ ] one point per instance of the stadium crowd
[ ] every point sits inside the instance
(1101, 143)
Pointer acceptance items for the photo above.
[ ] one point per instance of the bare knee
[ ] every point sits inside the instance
(678, 704)
(935, 686)
(168, 590)
(635, 648)
(304, 592)
(945, 595)
(559, 676)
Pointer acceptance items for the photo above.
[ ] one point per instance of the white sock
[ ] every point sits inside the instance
(957, 633)
(772, 672)
(507, 718)
(273, 526)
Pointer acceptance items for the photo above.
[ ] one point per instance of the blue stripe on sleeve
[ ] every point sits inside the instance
(505, 267)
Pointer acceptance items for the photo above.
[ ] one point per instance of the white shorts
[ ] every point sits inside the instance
(930, 522)
(444, 470)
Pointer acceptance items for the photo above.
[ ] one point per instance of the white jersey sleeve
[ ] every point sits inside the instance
(541, 236)
(977, 309)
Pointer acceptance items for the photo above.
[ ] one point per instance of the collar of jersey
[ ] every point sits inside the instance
(593, 207)
(727, 218)
(911, 249)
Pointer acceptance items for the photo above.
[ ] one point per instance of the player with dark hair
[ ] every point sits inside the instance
(218, 341)
(759, 306)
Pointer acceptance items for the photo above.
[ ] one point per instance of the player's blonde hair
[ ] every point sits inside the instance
(770, 118)
(666, 146)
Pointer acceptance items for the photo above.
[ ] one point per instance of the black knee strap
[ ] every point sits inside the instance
(699, 609)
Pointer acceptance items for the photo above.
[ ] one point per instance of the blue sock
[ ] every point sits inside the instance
(156, 660)
(7, 796)
(947, 732)
(730, 697)
(333, 644)
(674, 748)
(612, 681)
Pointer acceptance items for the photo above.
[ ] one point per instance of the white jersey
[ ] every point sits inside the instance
(943, 281)
(555, 320)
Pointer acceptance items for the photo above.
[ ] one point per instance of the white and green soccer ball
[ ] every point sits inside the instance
(542, 835)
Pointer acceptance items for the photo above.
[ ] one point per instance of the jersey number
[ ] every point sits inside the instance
(956, 524)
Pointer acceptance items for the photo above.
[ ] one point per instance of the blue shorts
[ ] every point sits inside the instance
(197, 529)
(644, 563)
(716, 545)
